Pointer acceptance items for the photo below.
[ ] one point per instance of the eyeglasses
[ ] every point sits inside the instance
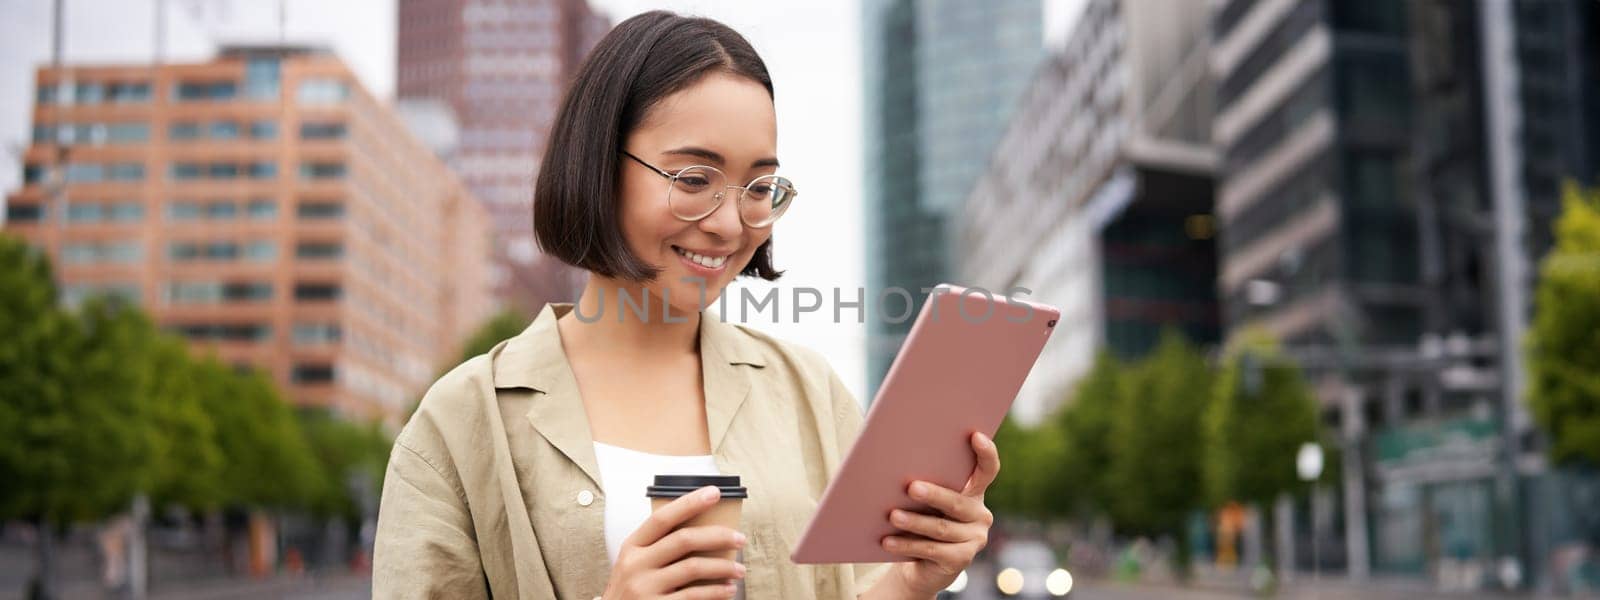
(693, 193)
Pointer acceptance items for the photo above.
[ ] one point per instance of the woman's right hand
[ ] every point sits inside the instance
(657, 559)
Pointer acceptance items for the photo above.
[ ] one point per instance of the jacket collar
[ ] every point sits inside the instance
(535, 360)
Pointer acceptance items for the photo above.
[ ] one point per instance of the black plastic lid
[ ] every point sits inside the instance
(673, 486)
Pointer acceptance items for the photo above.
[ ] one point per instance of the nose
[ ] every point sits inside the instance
(724, 221)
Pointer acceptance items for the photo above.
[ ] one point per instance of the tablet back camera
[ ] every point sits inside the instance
(1051, 323)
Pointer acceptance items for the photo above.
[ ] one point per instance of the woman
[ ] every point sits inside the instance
(522, 472)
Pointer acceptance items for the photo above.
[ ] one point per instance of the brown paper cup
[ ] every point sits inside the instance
(726, 512)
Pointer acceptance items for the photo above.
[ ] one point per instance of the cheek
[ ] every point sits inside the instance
(644, 223)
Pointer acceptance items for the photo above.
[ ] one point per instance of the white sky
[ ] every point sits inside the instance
(812, 49)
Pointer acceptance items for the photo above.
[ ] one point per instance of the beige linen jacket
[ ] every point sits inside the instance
(492, 487)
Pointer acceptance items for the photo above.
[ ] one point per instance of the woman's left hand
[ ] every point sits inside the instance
(944, 544)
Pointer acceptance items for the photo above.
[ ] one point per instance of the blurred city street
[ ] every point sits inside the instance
(1328, 274)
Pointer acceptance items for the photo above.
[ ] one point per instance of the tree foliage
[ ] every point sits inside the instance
(1563, 341)
(1154, 469)
(1261, 413)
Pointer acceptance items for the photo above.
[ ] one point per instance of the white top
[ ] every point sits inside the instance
(625, 475)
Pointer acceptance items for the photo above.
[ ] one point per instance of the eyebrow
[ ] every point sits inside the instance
(716, 159)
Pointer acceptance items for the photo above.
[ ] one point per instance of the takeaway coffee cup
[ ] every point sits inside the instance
(725, 513)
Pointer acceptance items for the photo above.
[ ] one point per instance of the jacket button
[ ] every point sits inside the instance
(585, 498)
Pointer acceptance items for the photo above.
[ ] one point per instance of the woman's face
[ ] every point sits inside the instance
(723, 121)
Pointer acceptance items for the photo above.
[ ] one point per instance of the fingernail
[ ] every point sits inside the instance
(918, 490)
(710, 493)
(738, 568)
(738, 538)
(731, 588)
(898, 517)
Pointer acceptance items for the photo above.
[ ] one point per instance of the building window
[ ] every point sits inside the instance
(222, 171)
(212, 292)
(47, 93)
(264, 130)
(85, 172)
(185, 171)
(311, 334)
(83, 212)
(236, 332)
(183, 251)
(102, 252)
(322, 131)
(221, 209)
(89, 93)
(313, 373)
(122, 133)
(261, 78)
(263, 209)
(221, 250)
(321, 170)
(24, 213)
(322, 91)
(320, 210)
(183, 131)
(318, 250)
(262, 169)
(261, 250)
(179, 210)
(223, 130)
(32, 173)
(190, 91)
(125, 172)
(316, 291)
(128, 92)
(125, 212)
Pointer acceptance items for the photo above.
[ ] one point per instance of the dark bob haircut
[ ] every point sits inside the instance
(641, 61)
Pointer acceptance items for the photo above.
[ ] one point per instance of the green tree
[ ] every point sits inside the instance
(188, 471)
(266, 461)
(1085, 424)
(1154, 474)
(351, 454)
(498, 328)
(1260, 415)
(1030, 470)
(39, 440)
(1563, 342)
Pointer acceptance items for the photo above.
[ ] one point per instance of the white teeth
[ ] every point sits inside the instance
(701, 259)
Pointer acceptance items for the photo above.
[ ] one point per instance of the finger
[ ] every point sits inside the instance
(939, 553)
(690, 540)
(704, 592)
(675, 513)
(945, 500)
(988, 466)
(697, 568)
(929, 526)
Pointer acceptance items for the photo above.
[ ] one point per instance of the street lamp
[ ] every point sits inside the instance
(1308, 464)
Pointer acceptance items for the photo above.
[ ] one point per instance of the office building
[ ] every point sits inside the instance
(266, 207)
(1098, 197)
(941, 80)
(1387, 180)
(502, 67)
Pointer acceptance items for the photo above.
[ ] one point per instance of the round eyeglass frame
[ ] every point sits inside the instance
(720, 195)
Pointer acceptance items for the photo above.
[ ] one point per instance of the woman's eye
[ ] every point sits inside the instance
(694, 181)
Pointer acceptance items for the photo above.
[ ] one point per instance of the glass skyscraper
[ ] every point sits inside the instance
(942, 78)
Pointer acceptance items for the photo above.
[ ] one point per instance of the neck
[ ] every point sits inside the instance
(623, 316)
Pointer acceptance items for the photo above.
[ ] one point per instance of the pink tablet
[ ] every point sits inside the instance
(957, 373)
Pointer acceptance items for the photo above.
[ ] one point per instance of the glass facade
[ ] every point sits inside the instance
(942, 78)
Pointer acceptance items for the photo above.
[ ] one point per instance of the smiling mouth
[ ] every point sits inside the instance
(709, 262)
